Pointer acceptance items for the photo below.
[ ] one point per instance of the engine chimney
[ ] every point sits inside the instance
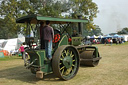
(80, 25)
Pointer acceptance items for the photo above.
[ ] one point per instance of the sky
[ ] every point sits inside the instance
(112, 16)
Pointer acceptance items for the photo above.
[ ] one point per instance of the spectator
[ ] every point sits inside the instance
(22, 51)
(108, 40)
(105, 41)
(111, 41)
(117, 41)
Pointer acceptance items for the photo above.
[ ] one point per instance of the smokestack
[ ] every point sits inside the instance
(80, 25)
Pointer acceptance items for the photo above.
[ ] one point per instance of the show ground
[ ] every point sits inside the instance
(112, 70)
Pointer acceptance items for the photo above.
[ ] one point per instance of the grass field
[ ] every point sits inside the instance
(112, 70)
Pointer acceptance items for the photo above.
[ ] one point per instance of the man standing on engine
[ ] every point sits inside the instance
(48, 35)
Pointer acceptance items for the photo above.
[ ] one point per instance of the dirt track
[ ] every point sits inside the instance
(112, 70)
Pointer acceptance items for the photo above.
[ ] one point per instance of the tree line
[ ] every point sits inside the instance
(123, 31)
(10, 10)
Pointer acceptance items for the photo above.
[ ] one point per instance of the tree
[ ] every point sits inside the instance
(86, 8)
(91, 32)
(97, 31)
(12, 9)
(123, 31)
(9, 11)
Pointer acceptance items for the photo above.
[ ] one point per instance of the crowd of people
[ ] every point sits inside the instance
(105, 41)
(108, 41)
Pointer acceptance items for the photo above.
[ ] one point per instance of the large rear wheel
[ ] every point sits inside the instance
(65, 62)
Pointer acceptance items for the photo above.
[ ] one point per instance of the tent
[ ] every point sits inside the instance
(22, 39)
(92, 37)
(125, 37)
(116, 36)
(100, 36)
(108, 36)
(2, 43)
(12, 44)
(88, 37)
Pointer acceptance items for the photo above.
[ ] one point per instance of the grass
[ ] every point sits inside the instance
(112, 70)
(7, 58)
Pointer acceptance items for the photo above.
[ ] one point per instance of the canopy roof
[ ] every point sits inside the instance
(108, 36)
(117, 36)
(34, 19)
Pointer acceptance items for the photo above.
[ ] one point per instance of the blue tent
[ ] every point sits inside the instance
(121, 36)
(116, 36)
(108, 36)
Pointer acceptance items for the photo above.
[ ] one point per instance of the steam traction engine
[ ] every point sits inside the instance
(68, 53)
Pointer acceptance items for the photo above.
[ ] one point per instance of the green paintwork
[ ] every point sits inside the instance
(96, 49)
(41, 62)
(76, 41)
(34, 19)
(60, 19)
(67, 61)
(63, 41)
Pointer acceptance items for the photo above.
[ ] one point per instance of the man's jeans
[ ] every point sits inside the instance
(48, 48)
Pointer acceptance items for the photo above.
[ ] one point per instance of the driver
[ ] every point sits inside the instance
(48, 35)
(75, 34)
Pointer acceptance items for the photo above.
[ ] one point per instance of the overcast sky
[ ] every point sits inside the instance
(113, 15)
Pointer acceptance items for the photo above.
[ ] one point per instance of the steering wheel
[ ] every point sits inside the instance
(56, 38)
